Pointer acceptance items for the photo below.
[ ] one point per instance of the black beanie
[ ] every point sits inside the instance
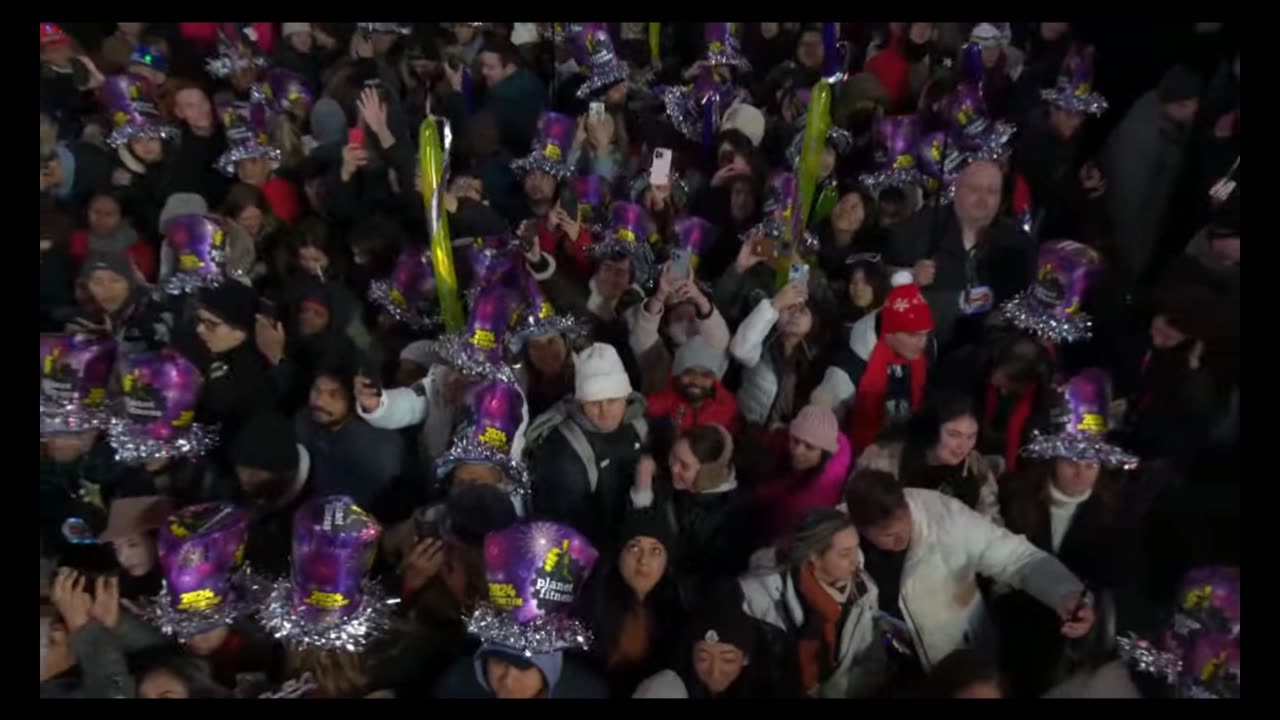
(267, 442)
(477, 510)
(647, 523)
(722, 623)
(115, 262)
(233, 302)
(1180, 83)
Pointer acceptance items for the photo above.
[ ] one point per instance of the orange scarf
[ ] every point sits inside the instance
(816, 646)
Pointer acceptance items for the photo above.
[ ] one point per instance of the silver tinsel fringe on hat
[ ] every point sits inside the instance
(837, 139)
(893, 177)
(468, 450)
(61, 418)
(1146, 658)
(1025, 313)
(134, 131)
(993, 141)
(227, 162)
(249, 588)
(1081, 448)
(405, 29)
(679, 189)
(599, 79)
(133, 447)
(350, 634)
(728, 57)
(380, 295)
(1067, 99)
(546, 634)
(639, 251)
(682, 111)
(224, 66)
(571, 327)
(537, 161)
(456, 352)
(772, 228)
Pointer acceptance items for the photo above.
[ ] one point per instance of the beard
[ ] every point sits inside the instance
(695, 393)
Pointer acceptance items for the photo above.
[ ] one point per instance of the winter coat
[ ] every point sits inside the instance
(783, 496)
(516, 103)
(563, 489)
(463, 682)
(1004, 260)
(1051, 168)
(651, 351)
(204, 35)
(271, 526)
(1141, 161)
(718, 409)
(770, 596)
(761, 360)
(237, 385)
(149, 186)
(282, 199)
(101, 653)
(887, 457)
(1200, 266)
(195, 171)
(357, 459)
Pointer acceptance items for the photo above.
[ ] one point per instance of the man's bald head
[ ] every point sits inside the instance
(978, 193)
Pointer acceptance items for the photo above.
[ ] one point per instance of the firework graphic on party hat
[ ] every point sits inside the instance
(247, 125)
(157, 415)
(1082, 416)
(479, 349)
(329, 602)
(206, 585)
(536, 571)
(199, 247)
(1051, 308)
(74, 371)
(976, 134)
(497, 414)
(896, 140)
(409, 293)
(629, 233)
(598, 57)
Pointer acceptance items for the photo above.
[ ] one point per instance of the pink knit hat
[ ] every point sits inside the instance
(817, 426)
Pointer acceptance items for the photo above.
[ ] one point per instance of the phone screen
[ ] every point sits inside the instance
(569, 202)
(596, 111)
(355, 136)
(680, 262)
(660, 170)
(798, 273)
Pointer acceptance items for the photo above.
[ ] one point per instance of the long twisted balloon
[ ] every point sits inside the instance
(817, 123)
(433, 159)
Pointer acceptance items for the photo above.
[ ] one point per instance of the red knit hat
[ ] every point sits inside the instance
(51, 36)
(905, 309)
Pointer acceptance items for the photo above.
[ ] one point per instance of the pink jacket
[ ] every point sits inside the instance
(205, 35)
(784, 500)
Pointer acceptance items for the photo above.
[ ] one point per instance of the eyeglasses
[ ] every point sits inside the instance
(863, 257)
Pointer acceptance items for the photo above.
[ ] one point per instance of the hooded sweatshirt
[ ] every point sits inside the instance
(563, 679)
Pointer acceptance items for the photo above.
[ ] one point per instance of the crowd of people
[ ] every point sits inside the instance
(652, 360)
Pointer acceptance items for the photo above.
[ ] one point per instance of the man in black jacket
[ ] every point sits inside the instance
(272, 470)
(200, 146)
(237, 382)
(966, 259)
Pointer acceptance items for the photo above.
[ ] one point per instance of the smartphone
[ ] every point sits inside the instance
(355, 136)
(79, 73)
(424, 528)
(268, 309)
(764, 248)
(660, 169)
(569, 201)
(799, 273)
(595, 111)
(681, 262)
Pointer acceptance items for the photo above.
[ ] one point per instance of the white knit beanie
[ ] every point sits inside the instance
(287, 29)
(746, 119)
(599, 374)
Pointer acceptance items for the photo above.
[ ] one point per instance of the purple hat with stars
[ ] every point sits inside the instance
(130, 103)
(723, 46)
(478, 350)
(247, 131)
(782, 213)
(1082, 415)
(492, 434)
(896, 140)
(697, 109)
(971, 128)
(409, 294)
(538, 318)
(328, 602)
(1051, 307)
(536, 572)
(494, 260)
(288, 91)
(597, 56)
(551, 146)
(629, 232)
(1074, 90)
(74, 371)
(201, 551)
(594, 196)
(199, 247)
(695, 235)
(157, 419)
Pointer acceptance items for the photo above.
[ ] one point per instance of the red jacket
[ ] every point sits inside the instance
(282, 198)
(721, 408)
(578, 252)
(891, 68)
(140, 252)
(205, 35)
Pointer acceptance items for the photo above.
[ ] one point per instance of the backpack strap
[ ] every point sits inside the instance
(578, 441)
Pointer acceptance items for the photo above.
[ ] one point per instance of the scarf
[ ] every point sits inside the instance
(867, 415)
(118, 242)
(816, 646)
(1017, 423)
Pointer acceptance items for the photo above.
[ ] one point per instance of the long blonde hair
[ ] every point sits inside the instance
(338, 674)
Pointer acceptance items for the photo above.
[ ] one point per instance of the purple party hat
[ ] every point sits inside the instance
(199, 247)
(939, 173)
(247, 131)
(594, 196)
(237, 50)
(328, 602)
(696, 110)
(782, 215)
(896, 139)
(604, 68)
(1085, 404)
(695, 235)
(201, 550)
(74, 372)
(498, 413)
(478, 350)
(1051, 308)
(158, 410)
(288, 91)
(536, 572)
(966, 115)
(551, 146)
(630, 232)
(130, 103)
(409, 294)
(723, 46)
(1074, 90)
(538, 318)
